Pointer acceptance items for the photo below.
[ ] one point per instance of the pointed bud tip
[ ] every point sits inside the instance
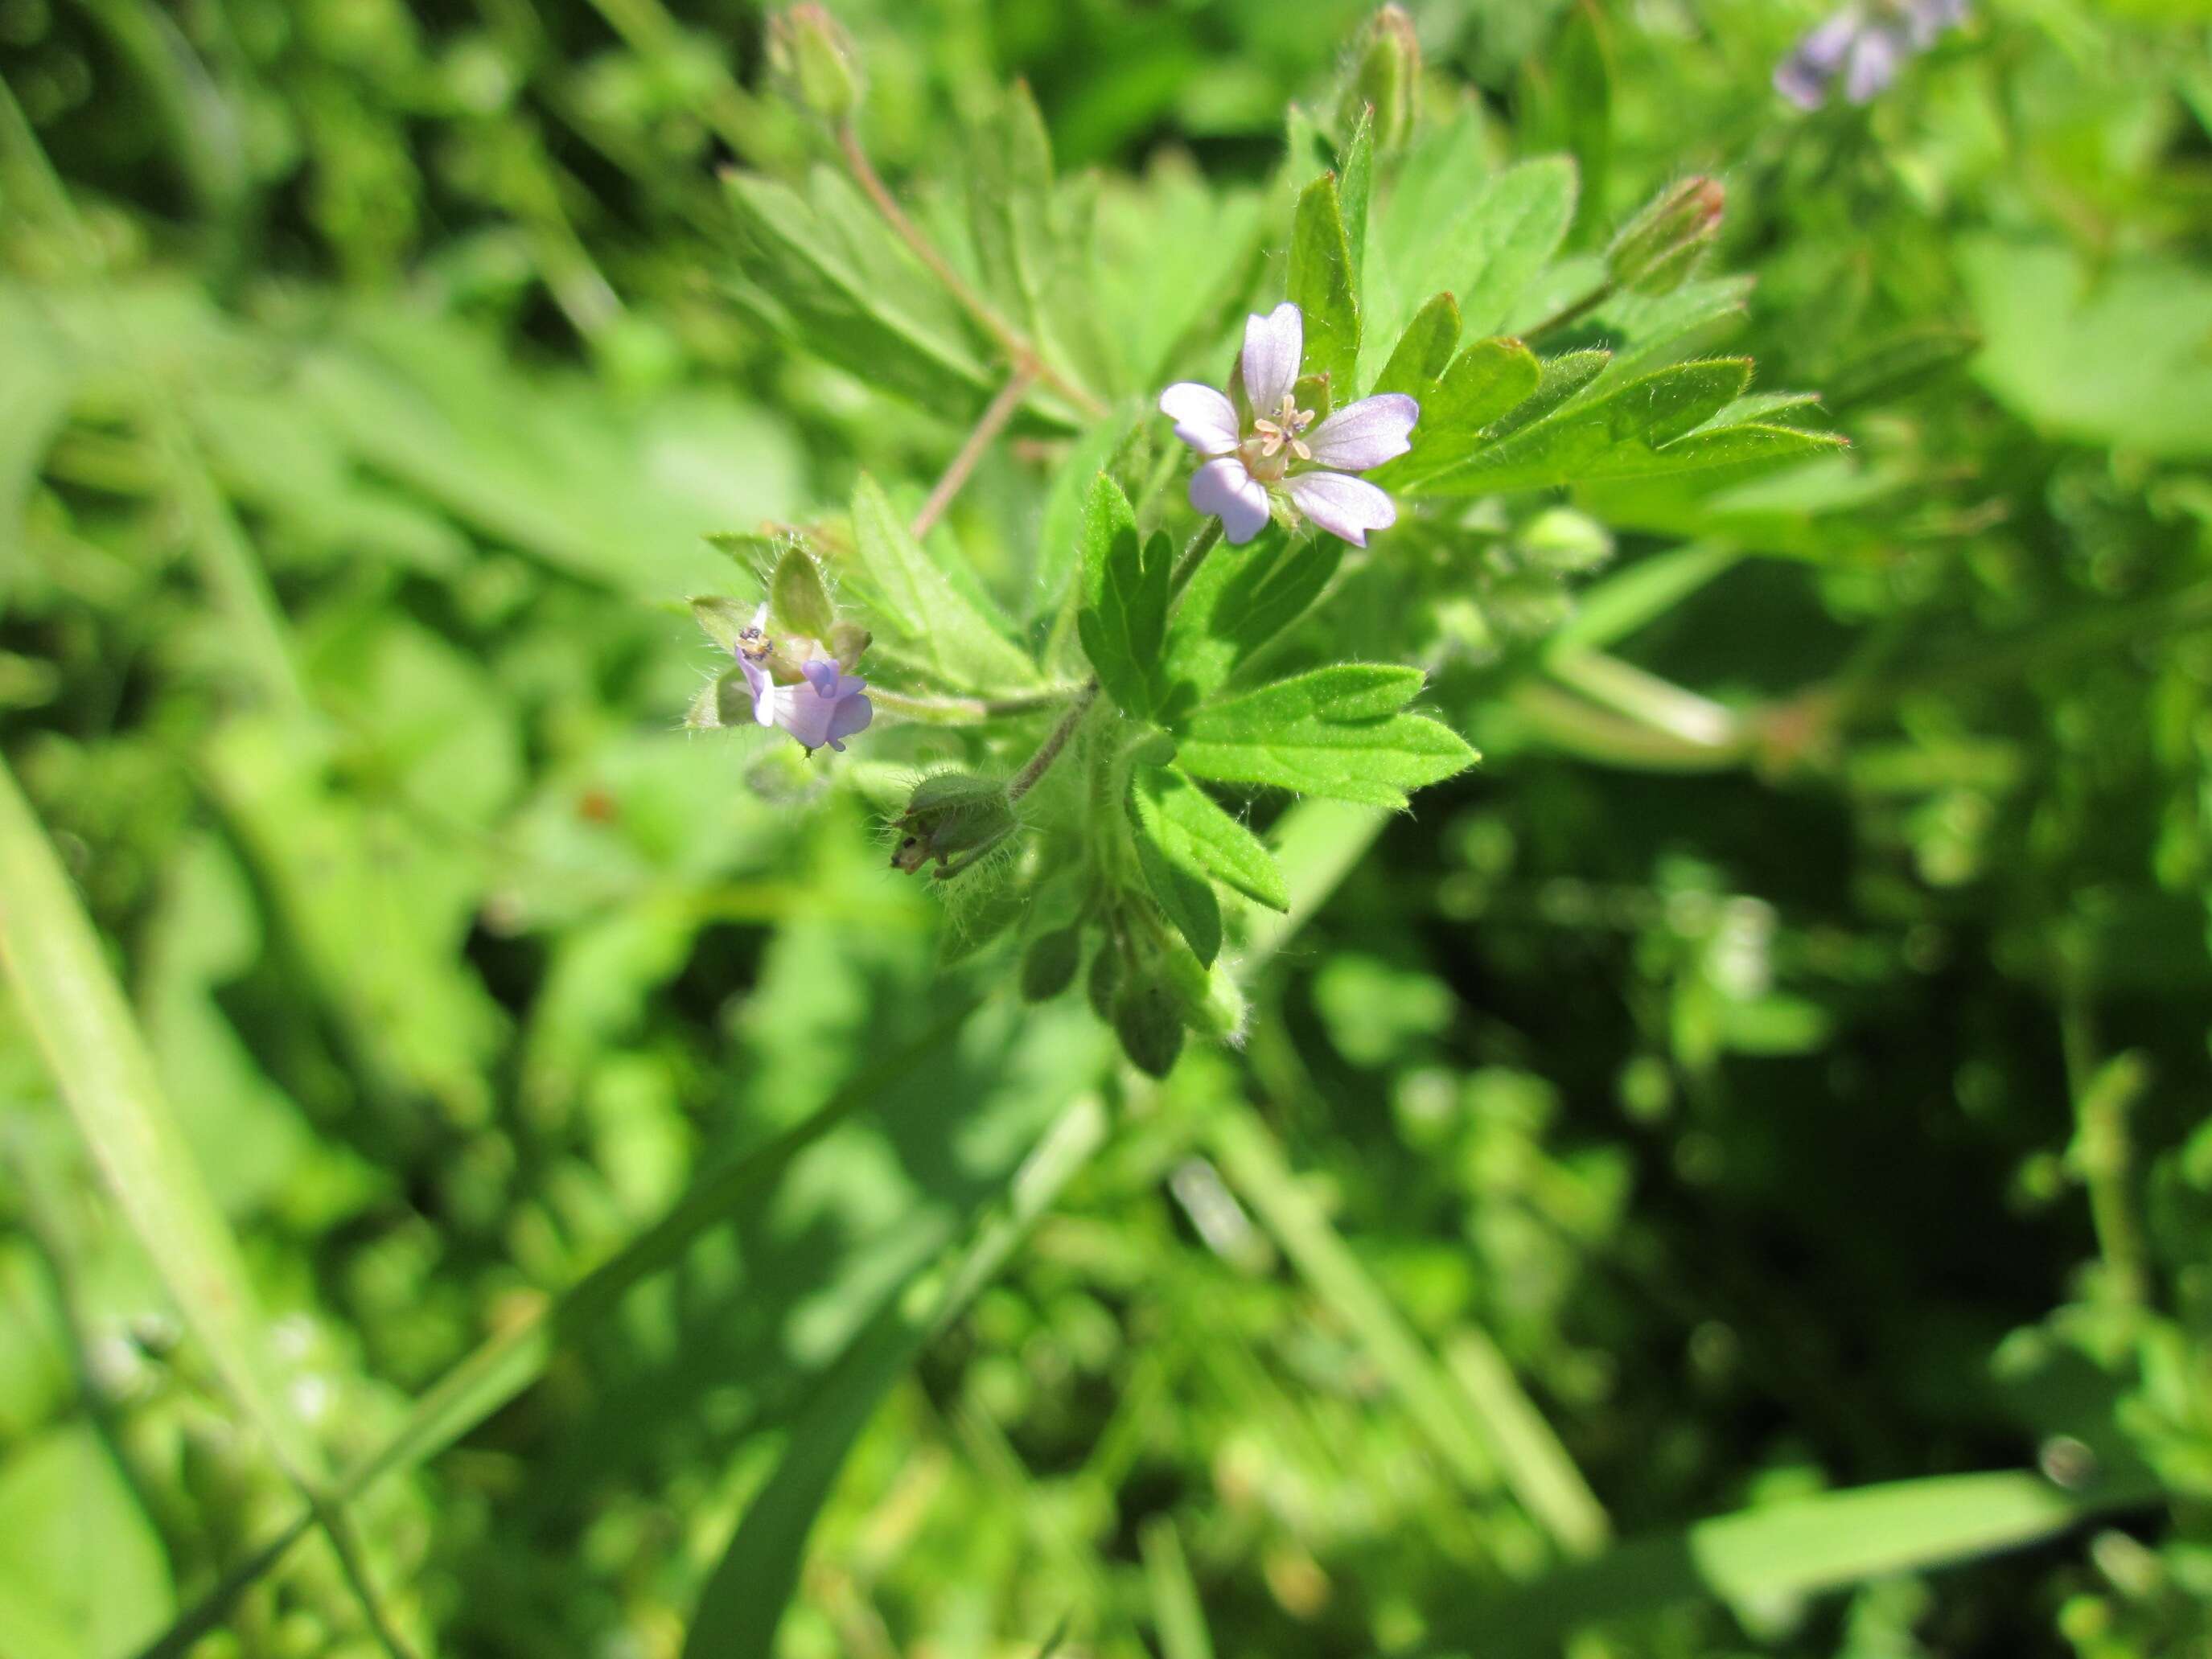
(811, 55)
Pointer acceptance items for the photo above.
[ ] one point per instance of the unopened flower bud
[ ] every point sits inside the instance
(954, 817)
(1658, 249)
(1148, 1019)
(1386, 77)
(1104, 978)
(1048, 965)
(810, 52)
(1208, 998)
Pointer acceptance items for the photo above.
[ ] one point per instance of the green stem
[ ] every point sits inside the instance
(986, 429)
(1055, 740)
(1570, 313)
(1019, 349)
(1208, 538)
(969, 711)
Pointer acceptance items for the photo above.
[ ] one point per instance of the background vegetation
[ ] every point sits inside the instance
(484, 1171)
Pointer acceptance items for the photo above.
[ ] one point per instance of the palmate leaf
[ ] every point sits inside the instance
(818, 269)
(1335, 732)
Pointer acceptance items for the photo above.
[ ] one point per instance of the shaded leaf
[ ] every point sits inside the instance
(1334, 731)
(1323, 286)
(1125, 599)
(1191, 830)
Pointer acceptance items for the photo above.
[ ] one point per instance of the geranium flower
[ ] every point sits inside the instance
(1865, 44)
(825, 705)
(1261, 455)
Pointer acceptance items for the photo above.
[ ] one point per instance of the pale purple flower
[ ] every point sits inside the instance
(1260, 452)
(826, 706)
(1865, 44)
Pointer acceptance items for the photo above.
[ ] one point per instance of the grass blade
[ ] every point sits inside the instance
(92, 1044)
(744, 1596)
(1778, 1551)
(1249, 1157)
(1177, 1614)
(502, 1367)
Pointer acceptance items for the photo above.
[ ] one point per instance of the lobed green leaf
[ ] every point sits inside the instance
(1332, 733)
(1123, 622)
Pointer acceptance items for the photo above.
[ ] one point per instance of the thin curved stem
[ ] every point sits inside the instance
(971, 711)
(1041, 763)
(1018, 347)
(986, 429)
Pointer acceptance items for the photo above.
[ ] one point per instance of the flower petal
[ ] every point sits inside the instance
(1803, 76)
(1223, 489)
(1342, 506)
(763, 688)
(1365, 433)
(852, 714)
(1875, 56)
(1204, 418)
(1274, 345)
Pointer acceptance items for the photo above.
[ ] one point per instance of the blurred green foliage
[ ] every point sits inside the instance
(1779, 1070)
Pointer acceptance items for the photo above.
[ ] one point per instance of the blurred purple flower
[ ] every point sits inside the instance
(1865, 44)
(826, 706)
(1264, 449)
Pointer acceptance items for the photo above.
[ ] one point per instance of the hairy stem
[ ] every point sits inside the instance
(1208, 538)
(1010, 340)
(1041, 763)
(954, 480)
(1571, 314)
(971, 711)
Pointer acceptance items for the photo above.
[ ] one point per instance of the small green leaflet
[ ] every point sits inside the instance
(1649, 425)
(1335, 732)
(1192, 831)
(1184, 892)
(1323, 286)
(1241, 599)
(1355, 187)
(1423, 352)
(926, 624)
(1484, 383)
(1124, 617)
(799, 598)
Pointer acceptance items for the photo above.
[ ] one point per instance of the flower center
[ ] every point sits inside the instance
(1275, 440)
(1281, 430)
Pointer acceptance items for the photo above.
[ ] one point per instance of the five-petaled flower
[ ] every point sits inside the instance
(1266, 451)
(824, 705)
(1865, 43)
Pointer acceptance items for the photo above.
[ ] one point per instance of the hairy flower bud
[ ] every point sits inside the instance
(954, 817)
(810, 52)
(1209, 1000)
(1049, 964)
(1104, 979)
(1148, 1019)
(1386, 77)
(1657, 250)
